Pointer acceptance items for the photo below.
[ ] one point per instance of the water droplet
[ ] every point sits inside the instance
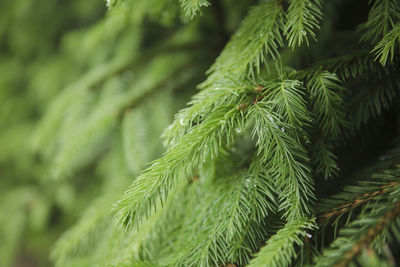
(182, 121)
(303, 32)
(270, 118)
(238, 130)
(282, 129)
(309, 235)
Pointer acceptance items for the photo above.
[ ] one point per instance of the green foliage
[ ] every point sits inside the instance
(230, 229)
(158, 179)
(279, 250)
(377, 219)
(386, 47)
(384, 14)
(191, 7)
(302, 19)
(287, 155)
(277, 120)
(256, 40)
(324, 159)
(326, 98)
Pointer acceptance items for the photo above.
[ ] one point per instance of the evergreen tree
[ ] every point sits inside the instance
(288, 154)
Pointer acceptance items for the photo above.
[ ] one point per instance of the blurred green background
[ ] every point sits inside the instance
(44, 46)
(71, 73)
(41, 49)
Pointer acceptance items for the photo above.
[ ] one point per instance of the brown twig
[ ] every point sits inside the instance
(355, 203)
(371, 233)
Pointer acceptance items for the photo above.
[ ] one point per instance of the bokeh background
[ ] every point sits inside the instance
(43, 47)
(76, 81)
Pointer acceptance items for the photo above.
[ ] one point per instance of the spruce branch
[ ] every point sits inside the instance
(192, 7)
(257, 39)
(202, 142)
(227, 91)
(237, 183)
(379, 94)
(277, 121)
(324, 158)
(345, 67)
(280, 249)
(358, 234)
(231, 227)
(382, 17)
(326, 97)
(302, 19)
(386, 48)
(377, 217)
(372, 192)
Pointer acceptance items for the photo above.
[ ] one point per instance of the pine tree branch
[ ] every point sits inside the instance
(182, 157)
(257, 38)
(381, 19)
(357, 235)
(280, 248)
(278, 119)
(387, 46)
(192, 7)
(227, 91)
(326, 97)
(324, 158)
(358, 201)
(302, 19)
(347, 66)
(377, 95)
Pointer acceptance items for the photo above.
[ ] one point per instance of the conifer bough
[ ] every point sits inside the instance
(287, 155)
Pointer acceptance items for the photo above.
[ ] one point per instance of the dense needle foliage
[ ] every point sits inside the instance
(199, 133)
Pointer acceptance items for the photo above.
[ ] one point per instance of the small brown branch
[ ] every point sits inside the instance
(371, 233)
(355, 203)
(259, 90)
